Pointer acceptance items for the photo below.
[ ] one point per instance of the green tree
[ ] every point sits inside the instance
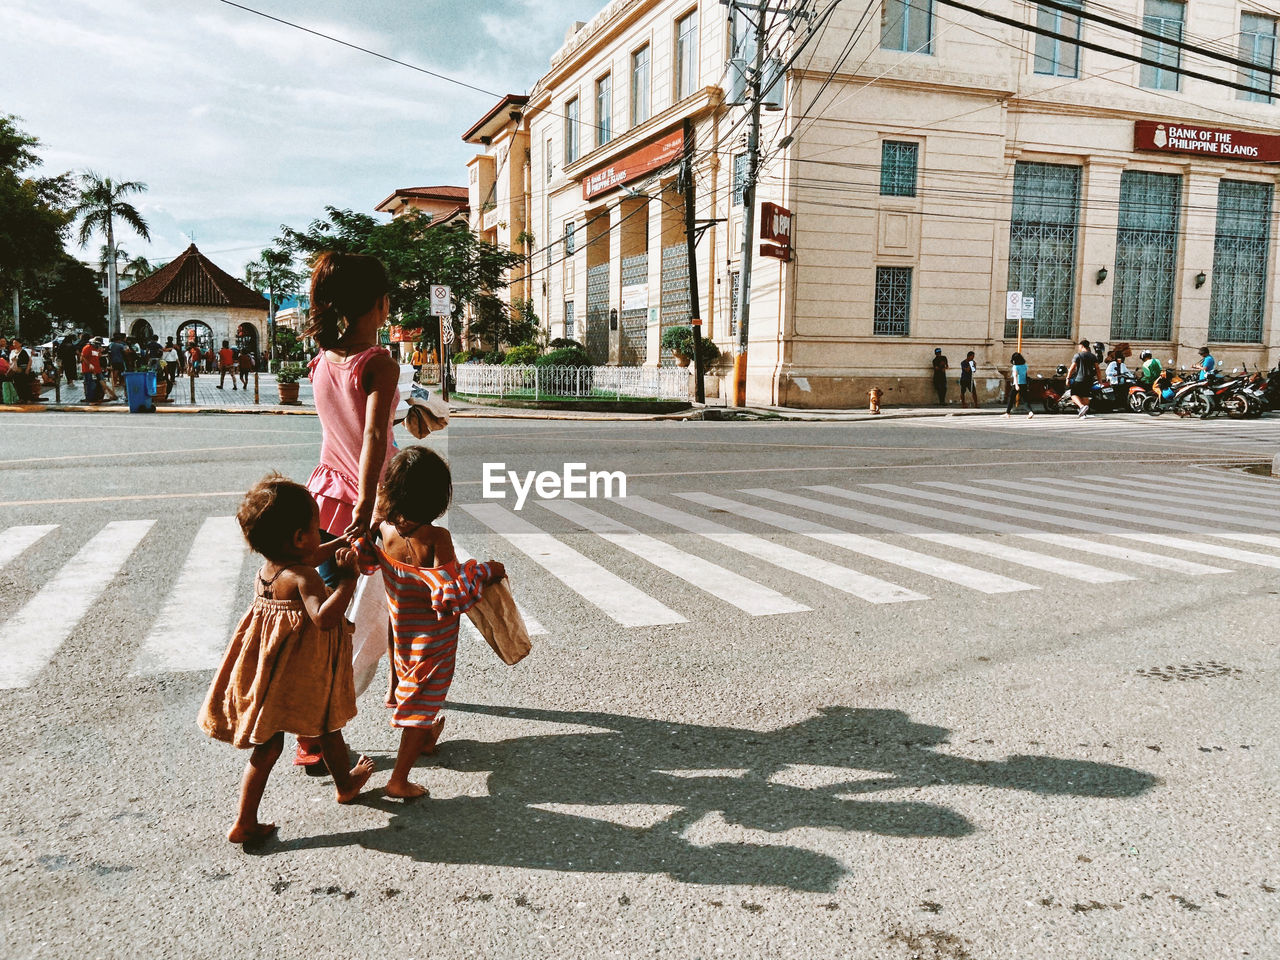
(33, 211)
(64, 298)
(273, 274)
(417, 255)
(102, 203)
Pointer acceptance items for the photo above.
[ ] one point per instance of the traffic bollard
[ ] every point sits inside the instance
(255, 387)
(193, 389)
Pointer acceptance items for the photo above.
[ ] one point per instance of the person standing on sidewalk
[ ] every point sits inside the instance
(1081, 376)
(940, 368)
(968, 368)
(68, 348)
(226, 364)
(245, 364)
(1017, 385)
(355, 387)
(169, 357)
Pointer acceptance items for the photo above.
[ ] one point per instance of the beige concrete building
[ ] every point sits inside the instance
(932, 161)
(193, 299)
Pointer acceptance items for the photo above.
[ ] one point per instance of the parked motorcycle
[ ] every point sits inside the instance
(1185, 397)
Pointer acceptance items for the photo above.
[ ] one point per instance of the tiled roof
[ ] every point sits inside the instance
(447, 194)
(510, 100)
(193, 280)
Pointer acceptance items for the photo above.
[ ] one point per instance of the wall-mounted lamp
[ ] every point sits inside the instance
(1200, 278)
(1102, 275)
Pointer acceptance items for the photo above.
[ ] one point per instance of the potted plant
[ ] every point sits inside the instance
(287, 382)
(679, 340)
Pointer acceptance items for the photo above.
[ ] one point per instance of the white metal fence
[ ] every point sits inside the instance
(535, 383)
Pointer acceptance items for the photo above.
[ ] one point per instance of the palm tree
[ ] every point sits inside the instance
(274, 273)
(101, 204)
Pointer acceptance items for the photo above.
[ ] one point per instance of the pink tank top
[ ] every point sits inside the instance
(341, 402)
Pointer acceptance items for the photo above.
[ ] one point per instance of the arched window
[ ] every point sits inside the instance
(141, 331)
(196, 330)
(247, 337)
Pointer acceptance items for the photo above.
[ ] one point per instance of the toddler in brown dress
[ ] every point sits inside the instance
(288, 666)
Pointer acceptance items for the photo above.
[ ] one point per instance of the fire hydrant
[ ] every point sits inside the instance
(875, 394)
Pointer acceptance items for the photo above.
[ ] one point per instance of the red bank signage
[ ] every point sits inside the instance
(1174, 137)
(635, 164)
(775, 225)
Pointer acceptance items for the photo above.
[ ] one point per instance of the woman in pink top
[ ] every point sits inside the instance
(354, 383)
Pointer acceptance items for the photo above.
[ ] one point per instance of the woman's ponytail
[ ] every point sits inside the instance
(344, 287)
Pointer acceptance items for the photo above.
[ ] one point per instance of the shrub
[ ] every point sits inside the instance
(524, 354)
(680, 340)
(564, 357)
(290, 373)
(559, 343)
(494, 356)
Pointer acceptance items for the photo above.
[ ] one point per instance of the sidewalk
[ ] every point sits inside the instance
(208, 398)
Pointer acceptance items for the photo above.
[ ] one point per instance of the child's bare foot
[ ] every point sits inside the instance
(406, 790)
(249, 832)
(360, 775)
(433, 737)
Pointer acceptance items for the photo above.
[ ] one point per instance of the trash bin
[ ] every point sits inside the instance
(151, 383)
(135, 386)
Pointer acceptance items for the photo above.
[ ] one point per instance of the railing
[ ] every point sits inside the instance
(604, 383)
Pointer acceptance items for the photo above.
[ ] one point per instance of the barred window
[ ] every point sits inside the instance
(1042, 246)
(739, 178)
(735, 277)
(568, 319)
(1164, 17)
(893, 302)
(1238, 300)
(898, 168)
(570, 238)
(1055, 57)
(1146, 256)
(1257, 45)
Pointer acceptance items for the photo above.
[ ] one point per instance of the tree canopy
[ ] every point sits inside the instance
(67, 297)
(33, 210)
(417, 254)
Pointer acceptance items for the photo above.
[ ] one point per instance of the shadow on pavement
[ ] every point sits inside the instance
(629, 760)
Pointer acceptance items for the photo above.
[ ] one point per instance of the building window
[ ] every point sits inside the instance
(893, 302)
(640, 86)
(1164, 17)
(686, 54)
(571, 144)
(604, 109)
(570, 246)
(1241, 245)
(1042, 246)
(1146, 256)
(1257, 45)
(568, 319)
(1055, 57)
(907, 25)
(898, 168)
(550, 165)
(739, 178)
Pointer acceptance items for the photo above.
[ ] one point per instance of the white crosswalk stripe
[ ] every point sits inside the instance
(932, 566)
(33, 635)
(871, 589)
(747, 595)
(193, 627)
(18, 539)
(1140, 526)
(531, 623)
(1218, 434)
(618, 599)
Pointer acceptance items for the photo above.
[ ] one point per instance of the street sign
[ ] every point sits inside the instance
(1013, 305)
(440, 301)
(1028, 308)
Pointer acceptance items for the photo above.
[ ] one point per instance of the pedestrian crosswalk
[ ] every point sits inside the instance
(691, 559)
(1215, 435)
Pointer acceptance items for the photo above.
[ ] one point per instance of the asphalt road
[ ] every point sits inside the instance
(992, 689)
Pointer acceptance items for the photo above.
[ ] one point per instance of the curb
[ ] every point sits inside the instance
(124, 408)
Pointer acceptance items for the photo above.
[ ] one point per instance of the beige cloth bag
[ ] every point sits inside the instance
(498, 619)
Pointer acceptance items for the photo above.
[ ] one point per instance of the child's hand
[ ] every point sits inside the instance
(346, 559)
(496, 571)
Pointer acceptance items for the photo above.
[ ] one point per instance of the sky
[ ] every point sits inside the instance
(238, 124)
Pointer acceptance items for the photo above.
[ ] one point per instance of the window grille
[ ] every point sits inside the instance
(1042, 246)
(893, 301)
(1238, 300)
(907, 25)
(735, 278)
(1164, 17)
(1146, 256)
(1257, 45)
(898, 168)
(570, 243)
(739, 178)
(1058, 58)
(568, 319)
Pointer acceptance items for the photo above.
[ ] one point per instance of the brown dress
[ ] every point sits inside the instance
(280, 673)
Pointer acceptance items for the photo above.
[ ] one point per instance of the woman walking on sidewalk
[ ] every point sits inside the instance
(1017, 385)
(354, 383)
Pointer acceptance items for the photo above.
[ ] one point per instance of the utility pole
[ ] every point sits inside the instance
(691, 244)
(749, 210)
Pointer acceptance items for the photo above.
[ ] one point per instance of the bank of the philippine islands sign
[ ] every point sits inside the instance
(1174, 137)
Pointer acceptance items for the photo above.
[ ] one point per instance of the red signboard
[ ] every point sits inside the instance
(634, 164)
(775, 225)
(1174, 137)
(401, 335)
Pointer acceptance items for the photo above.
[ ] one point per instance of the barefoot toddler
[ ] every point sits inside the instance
(288, 666)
